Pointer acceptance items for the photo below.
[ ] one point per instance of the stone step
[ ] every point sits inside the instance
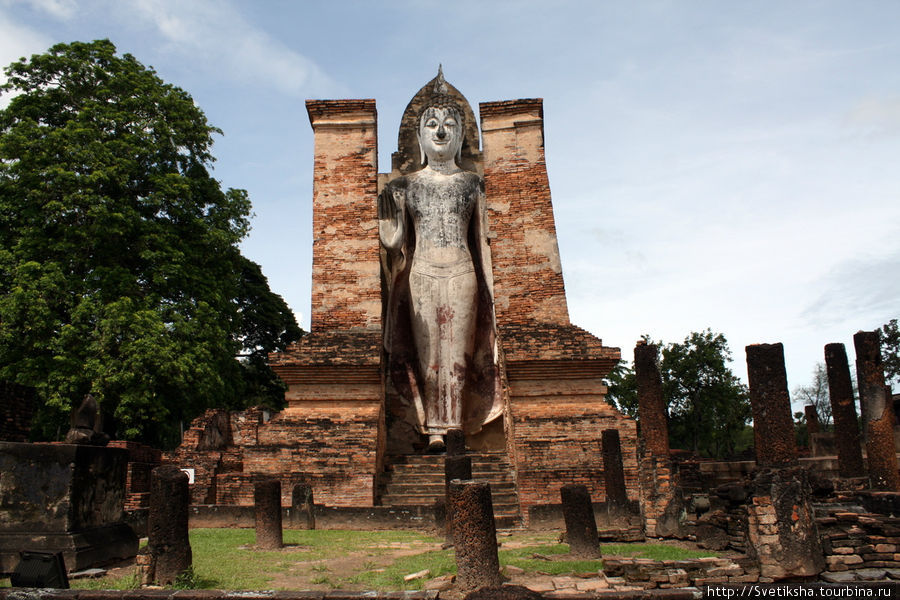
(424, 499)
(418, 480)
(439, 468)
(417, 487)
(438, 478)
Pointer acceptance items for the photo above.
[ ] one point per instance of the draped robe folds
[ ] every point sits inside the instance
(480, 398)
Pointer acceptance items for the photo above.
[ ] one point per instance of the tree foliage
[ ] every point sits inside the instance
(622, 389)
(708, 407)
(890, 351)
(119, 266)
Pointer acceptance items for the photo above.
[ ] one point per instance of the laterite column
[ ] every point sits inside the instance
(878, 414)
(267, 499)
(168, 543)
(843, 409)
(474, 534)
(581, 528)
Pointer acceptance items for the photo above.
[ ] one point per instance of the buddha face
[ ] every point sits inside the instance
(440, 134)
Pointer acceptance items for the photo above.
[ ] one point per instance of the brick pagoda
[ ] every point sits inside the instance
(339, 433)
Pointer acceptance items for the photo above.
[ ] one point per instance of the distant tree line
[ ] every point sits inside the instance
(709, 408)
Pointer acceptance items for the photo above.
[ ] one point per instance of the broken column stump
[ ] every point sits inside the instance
(167, 525)
(781, 525)
(812, 419)
(267, 501)
(843, 410)
(613, 471)
(455, 441)
(773, 427)
(651, 404)
(581, 528)
(878, 414)
(471, 514)
(303, 513)
(455, 467)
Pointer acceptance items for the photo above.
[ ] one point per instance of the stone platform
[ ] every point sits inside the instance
(63, 498)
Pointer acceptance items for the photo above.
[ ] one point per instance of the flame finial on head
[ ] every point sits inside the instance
(440, 84)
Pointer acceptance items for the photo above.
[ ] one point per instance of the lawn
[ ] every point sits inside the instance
(361, 560)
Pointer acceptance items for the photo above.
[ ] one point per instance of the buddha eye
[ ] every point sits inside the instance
(450, 123)
(431, 123)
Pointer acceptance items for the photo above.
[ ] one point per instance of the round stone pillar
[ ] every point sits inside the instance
(471, 513)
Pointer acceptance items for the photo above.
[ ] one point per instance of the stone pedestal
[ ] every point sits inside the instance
(781, 525)
(63, 498)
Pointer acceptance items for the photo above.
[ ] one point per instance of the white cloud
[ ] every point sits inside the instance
(216, 35)
(17, 41)
(58, 9)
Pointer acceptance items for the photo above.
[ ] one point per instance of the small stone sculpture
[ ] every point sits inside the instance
(85, 424)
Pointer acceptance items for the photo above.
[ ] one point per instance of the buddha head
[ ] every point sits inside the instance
(441, 130)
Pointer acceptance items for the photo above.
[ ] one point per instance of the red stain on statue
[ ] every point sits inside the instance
(444, 314)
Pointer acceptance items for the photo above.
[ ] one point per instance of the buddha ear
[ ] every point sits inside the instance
(422, 158)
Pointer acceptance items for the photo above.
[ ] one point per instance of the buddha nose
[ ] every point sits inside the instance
(441, 132)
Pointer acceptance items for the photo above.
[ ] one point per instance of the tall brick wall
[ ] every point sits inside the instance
(528, 281)
(557, 427)
(346, 290)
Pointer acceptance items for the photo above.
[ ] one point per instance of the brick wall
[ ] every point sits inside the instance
(557, 427)
(528, 281)
(142, 460)
(346, 289)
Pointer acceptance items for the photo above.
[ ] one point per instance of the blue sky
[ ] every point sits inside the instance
(719, 164)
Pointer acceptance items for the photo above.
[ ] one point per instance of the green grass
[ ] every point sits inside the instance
(439, 562)
(226, 559)
(654, 551)
(522, 558)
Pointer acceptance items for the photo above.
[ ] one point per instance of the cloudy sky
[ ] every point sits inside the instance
(720, 164)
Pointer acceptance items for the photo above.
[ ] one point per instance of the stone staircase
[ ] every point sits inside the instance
(418, 480)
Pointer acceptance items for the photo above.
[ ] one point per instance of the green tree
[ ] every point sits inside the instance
(622, 389)
(816, 394)
(890, 351)
(708, 405)
(267, 324)
(119, 267)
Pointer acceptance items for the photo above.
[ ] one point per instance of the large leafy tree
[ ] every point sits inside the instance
(708, 405)
(119, 267)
